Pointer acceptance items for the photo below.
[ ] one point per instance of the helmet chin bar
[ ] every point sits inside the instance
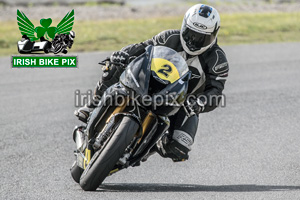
(198, 52)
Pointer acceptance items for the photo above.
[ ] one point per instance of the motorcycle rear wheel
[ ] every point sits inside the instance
(97, 171)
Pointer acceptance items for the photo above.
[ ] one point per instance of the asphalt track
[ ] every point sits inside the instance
(248, 150)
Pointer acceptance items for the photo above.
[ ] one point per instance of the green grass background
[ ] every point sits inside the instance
(114, 34)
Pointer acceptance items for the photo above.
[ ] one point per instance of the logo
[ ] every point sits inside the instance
(62, 35)
(45, 38)
(44, 61)
(205, 11)
(221, 65)
(195, 76)
(198, 25)
(220, 68)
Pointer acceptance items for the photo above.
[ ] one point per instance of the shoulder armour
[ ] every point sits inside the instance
(169, 38)
(216, 60)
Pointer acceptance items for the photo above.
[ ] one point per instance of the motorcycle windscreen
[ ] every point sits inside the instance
(167, 64)
(137, 73)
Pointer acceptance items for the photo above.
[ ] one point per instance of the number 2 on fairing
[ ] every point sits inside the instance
(166, 71)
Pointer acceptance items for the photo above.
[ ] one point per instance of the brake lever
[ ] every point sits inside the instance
(104, 62)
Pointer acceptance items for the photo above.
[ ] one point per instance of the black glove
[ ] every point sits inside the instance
(119, 58)
(195, 104)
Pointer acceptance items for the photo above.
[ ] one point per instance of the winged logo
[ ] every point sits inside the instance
(26, 27)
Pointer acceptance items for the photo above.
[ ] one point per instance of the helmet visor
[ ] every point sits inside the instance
(195, 41)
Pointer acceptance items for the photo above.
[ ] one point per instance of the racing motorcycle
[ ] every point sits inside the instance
(124, 134)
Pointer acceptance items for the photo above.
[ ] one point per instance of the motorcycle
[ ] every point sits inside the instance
(122, 134)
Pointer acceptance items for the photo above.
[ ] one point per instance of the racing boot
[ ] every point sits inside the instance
(83, 113)
(177, 145)
(168, 147)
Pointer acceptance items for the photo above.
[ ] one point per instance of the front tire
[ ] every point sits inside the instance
(114, 149)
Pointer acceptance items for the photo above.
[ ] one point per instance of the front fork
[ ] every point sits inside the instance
(85, 141)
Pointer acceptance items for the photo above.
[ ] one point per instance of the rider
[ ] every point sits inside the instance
(196, 42)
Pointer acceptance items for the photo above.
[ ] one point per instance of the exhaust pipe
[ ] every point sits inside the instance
(78, 136)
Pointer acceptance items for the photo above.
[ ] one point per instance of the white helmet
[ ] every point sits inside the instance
(199, 29)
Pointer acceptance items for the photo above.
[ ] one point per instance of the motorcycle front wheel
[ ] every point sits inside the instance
(112, 151)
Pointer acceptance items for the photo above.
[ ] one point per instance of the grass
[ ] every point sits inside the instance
(115, 34)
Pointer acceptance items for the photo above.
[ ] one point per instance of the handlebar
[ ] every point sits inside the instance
(106, 62)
